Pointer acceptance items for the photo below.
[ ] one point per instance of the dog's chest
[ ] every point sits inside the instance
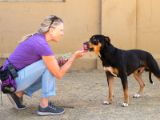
(108, 60)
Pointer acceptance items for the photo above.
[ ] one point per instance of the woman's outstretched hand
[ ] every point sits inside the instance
(63, 59)
(79, 53)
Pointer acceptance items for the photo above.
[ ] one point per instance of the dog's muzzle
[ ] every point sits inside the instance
(87, 47)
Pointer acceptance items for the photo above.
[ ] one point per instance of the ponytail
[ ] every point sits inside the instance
(25, 37)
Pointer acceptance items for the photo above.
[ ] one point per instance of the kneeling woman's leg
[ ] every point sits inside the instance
(48, 84)
(34, 77)
(48, 88)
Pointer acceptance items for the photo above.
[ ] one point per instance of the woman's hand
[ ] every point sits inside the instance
(79, 53)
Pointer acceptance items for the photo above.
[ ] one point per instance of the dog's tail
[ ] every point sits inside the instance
(153, 67)
(150, 78)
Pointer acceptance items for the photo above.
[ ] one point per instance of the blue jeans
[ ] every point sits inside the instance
(34, 77)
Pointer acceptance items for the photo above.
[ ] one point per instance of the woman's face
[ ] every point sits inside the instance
(57, 32)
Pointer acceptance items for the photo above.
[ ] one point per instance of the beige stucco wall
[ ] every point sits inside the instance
(148, 26)
(119, 22)
(81, 19)
(132, 24)
(129, 24)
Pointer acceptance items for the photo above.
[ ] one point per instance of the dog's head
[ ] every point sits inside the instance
(97, 42)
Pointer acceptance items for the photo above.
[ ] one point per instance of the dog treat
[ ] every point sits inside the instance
(63, 59)
(86, 46)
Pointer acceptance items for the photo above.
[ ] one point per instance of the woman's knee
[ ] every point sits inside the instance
(48, 84)
(48, 74)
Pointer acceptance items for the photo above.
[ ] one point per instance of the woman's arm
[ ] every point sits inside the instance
(53, 67)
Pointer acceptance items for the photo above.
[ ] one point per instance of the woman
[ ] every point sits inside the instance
(38, 67)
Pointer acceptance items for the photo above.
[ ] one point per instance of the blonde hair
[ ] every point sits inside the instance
(50, 21)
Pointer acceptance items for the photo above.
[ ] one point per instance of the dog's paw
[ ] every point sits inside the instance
(136, 95)
(124, 105)
(106, 102)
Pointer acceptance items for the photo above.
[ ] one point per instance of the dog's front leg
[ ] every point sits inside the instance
(110, 80)
(124, 81)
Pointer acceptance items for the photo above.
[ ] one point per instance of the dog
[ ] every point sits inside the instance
(121, 63)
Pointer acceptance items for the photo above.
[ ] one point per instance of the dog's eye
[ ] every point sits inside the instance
(95, 42)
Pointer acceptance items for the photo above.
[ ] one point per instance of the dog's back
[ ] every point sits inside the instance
(145, 60)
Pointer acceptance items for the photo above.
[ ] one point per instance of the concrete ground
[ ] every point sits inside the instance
(81, 93)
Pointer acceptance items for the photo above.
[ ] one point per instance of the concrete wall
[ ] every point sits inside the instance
(148, 26)
(132, 24)
(119, 22)
(129, 24)
(81, 18)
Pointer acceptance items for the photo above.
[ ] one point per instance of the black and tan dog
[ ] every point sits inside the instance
(122, 63)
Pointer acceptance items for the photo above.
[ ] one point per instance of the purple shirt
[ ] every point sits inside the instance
(30, 51)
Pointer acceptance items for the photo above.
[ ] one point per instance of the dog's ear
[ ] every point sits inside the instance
(108, 40)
